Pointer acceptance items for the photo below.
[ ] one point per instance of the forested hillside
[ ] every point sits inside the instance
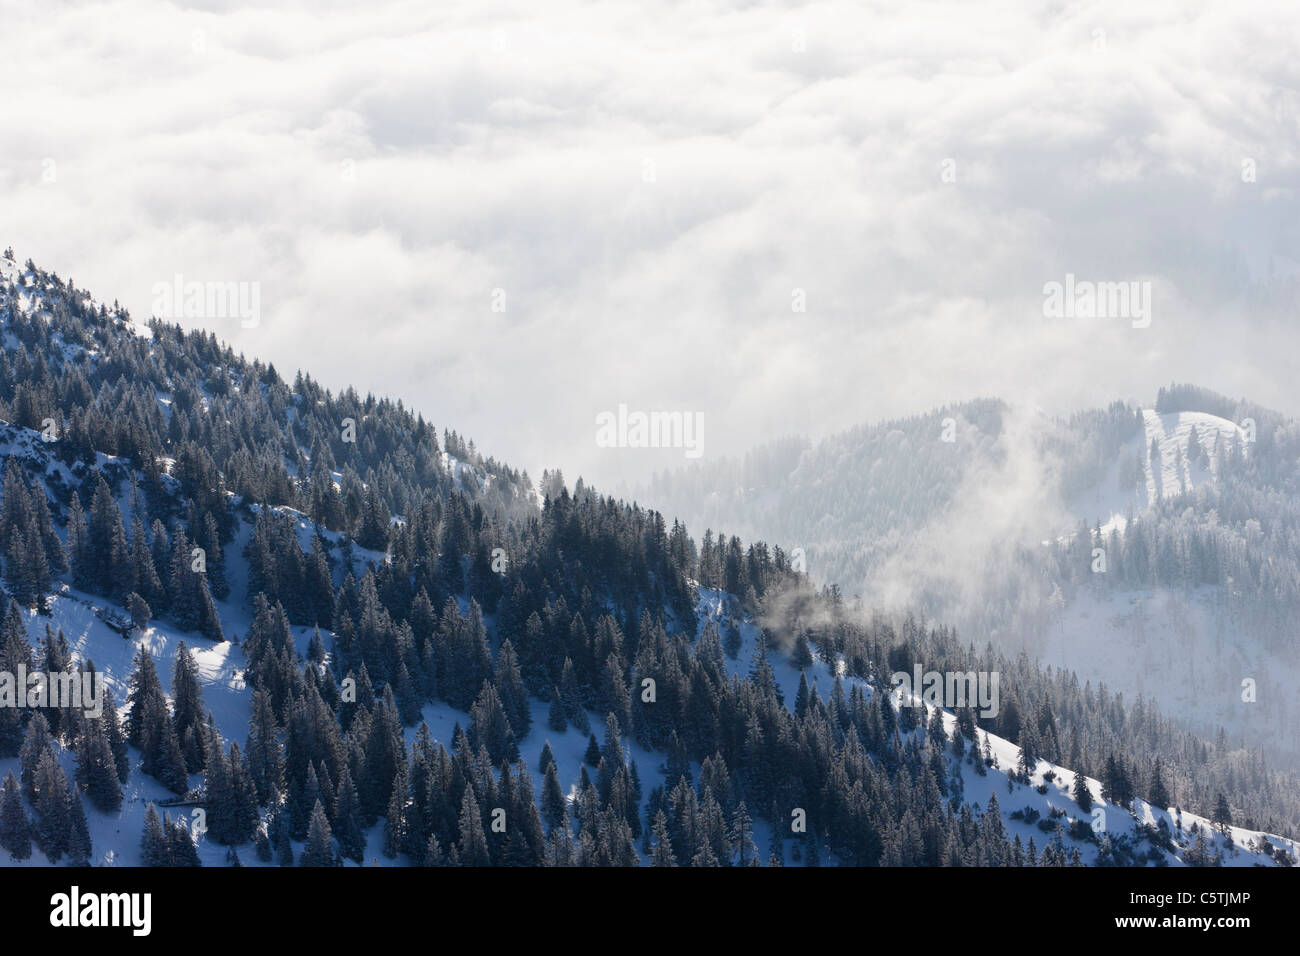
(1157, 549)
(345, 636)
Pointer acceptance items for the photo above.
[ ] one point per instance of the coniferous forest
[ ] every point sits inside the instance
(852, 447)
(368, 572)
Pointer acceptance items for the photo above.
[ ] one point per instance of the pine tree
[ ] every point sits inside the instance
(121, 568)
(1158, 793)
(220, 799)
(318, 851)
(209, 620)
(546, 759)
(183, 597)
(1222, 813)
(510, 686)
(145, 692)
(26, 571)
(802, 697)
(433, 854)
(54, 822)
(97, 768)
(36, 743)
(303, 797)
(592, 755)
(662, 852)
(278, 834)
(555, 716)
(15, 830)
(180, 844)
(187, 707)
(164, 759)
(1081, 793)
(490, 726)
(78, 841)
(263, 750)
(395, 833)
(347, 817)
(215, 557)
(262, 846)
(15, 655)
(471, 847)
(1110, 783)
(575, 709)
(552, 797)
(79, 555)
(139, 610)
(742, 836)
(153, 844)
(1029, 747)
(115, 736)
(148, 584)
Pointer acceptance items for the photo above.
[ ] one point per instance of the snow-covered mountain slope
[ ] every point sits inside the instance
(989, 529)
(1187, 649)
(274, 485)
(1190, 445)
(1027, 811)
(1047, 794)
(1177, 452)
(1188, 654)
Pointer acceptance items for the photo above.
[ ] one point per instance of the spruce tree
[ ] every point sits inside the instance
(15, 830)
(1081, 793)
(471, 847)
(662, 849)
(552, 797)
(181, 850)
(54, 816)
(36, 743)
(145, 690)
(187, 706)
(347, 817)
(1157, 792)
(15, 655)
(153, 843)
(78, 841)
(555, 716)
(510, 686)
(592, 755)
(97, 768)
(1222, 813)
(318, 851)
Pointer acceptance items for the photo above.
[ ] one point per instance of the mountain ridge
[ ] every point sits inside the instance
(359, 544)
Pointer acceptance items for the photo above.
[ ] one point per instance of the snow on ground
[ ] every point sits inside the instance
(1112, 500)
(1177, 473)
(1186, 652)
(978, 789)
(116, 837)
(305, 529)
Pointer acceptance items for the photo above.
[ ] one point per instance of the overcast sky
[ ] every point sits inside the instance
(652, 188)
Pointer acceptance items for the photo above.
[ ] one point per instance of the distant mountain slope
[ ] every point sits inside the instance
(1193, 505)
(845, 501)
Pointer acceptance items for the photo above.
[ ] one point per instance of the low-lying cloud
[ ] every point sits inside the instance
(515, 217)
